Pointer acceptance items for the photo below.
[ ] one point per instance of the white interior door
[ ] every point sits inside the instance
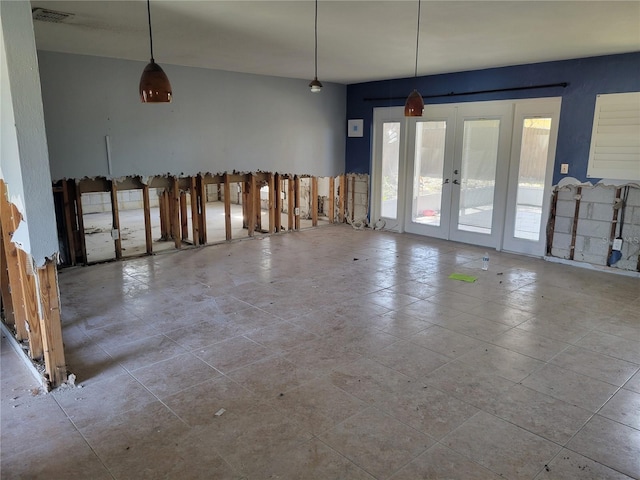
(480, 172)
(430, 147)
(388, 167)
(535, 133)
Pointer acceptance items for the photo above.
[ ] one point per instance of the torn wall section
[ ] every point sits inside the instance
(588, 219)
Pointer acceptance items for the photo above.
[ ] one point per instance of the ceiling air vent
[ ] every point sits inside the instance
(50, 16)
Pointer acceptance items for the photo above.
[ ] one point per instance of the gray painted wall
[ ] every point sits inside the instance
(24, 162)
(218, 121)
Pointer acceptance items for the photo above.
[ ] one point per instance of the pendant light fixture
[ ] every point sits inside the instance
(414, 106)
(154, 84)
(315, 84)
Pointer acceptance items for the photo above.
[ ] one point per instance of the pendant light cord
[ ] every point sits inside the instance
(417, 41)
(150, 36)
(316, 40)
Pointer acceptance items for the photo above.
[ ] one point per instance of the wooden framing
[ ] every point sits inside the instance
(271, 203)
(296, 202)
(117, 242)
(314, 201)
(551, 224)
(184, 219)
(195, 215)
(83, 242)
(202, 203)
(175, 213)
(574, 228)
(51, 325)
(290, 203)
(277, 183)
(332, 200)
(174, 205)
(342, 197)
(148, 240)
(614, 224)
(23, 296)
(69, 223)
(227, 208)
(353, 198)
(250, 184)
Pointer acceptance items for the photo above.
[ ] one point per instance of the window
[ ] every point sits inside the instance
(615, 138)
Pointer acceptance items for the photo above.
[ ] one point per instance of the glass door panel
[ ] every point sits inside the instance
(428, 173)
(531, 176)
(390, 167)
(531, 171)
(478, 175)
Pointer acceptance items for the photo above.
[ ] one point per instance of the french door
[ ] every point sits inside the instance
(467, 172)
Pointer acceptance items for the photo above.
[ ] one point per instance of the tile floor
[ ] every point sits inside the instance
(335, 354)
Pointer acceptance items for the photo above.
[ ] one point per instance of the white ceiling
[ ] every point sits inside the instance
(359, 40)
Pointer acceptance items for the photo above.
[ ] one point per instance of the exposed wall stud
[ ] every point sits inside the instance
(227, 207)
(148, 240)
(314, 201)
(117, 239)
(332, 200)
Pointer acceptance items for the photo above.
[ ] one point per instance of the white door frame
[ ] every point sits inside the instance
(541, 108)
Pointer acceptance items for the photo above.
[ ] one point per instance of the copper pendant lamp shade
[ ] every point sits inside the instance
(154, 83)
(315, 84)
(414, 106)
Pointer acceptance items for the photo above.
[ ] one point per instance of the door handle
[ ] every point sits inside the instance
(455, 171)
(456, 182)
(446, 180)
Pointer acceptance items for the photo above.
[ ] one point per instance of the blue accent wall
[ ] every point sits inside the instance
(586, 77)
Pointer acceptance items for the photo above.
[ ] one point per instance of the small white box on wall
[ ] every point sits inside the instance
(355, 128)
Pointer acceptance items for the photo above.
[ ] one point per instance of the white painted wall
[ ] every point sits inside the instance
(24, 161)
(218, 121)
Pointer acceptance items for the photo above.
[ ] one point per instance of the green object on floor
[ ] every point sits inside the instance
(463, 277)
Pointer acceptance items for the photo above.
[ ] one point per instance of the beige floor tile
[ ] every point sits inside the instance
(376, 442)
(612, 345)
(272, 376)
(610, 443)
(569, 465)
(502, 447)
(361, 341)
(538, 413)
(61, 455)
(634, 383)
(408, 358)
(446, 342)
(595, 365)
(233, 353)
(530, 344)
(102, 399)
(573, 388)
(313, 460)
(500, 361)
(368, 380)
(473, 326)
(624, 407)
(318, 405)
(175, 374)
(426, 409)
(440, 462)
(399, 324)
(470, 383)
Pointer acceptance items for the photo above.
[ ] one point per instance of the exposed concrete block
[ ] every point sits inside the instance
(596, 211)
(598, 194)
(565, 208)
(594, 228)
(563, 225)
(634, 197)
(561, 241)
(598, 247)
(566, 194)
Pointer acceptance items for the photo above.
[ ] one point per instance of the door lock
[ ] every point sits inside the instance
(456, 172)
(446, 180)
(456, 182)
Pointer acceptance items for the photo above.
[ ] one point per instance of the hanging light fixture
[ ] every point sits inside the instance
(315, 84)
(414, 105)
(154, 84)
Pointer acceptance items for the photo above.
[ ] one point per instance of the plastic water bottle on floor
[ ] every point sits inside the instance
(485, 261)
